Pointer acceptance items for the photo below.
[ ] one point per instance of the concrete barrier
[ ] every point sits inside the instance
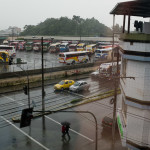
(46, 70)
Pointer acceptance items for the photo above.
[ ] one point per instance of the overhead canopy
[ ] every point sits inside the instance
(133, 8)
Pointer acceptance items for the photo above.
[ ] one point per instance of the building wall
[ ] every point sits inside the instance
(134, 92)
(138, 126)
(135, 46)
(138, 88)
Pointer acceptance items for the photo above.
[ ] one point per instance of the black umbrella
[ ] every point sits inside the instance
(65, 123)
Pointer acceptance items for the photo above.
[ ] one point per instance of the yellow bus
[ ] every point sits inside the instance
(91, 48)
(81, 47)
(4, 57)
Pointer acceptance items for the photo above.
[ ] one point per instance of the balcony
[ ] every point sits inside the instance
(135, 37)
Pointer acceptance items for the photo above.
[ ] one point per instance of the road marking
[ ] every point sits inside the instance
(13, 100)
(70, 129)
(25, 134)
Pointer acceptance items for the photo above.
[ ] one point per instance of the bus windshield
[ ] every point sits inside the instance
(61, 55)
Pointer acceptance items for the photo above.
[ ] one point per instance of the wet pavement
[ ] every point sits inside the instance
(35, 137)
(32, 60)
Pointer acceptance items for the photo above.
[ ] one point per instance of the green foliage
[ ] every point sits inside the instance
(68, 27)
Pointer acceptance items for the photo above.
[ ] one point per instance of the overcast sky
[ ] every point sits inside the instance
(31, 12)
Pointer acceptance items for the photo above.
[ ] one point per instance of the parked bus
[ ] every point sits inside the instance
(21, 45)
(64, 47)
(29, 46)
(81, 47)
(37, 47)
(10, 49)
(4, 57)
(54, 48)
(5, 42)
(72, 47)
(46, 46)
(15, 44)
(103, 53)
(73, 57)
(91, 48)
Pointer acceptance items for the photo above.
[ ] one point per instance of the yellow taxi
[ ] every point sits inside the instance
(64, 84)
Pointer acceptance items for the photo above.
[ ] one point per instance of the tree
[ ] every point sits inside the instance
(65, 26)
(117, 28)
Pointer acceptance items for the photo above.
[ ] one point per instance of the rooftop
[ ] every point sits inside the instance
(133, 8)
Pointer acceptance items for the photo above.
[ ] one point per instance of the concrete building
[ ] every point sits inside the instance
(133, 115)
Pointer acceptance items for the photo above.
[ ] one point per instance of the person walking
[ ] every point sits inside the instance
(63, 129)
(67, 130)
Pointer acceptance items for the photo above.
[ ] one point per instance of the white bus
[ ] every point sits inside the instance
(73, 57)
(103, 53)
(72, 47)
(54, 48)
(10, 49)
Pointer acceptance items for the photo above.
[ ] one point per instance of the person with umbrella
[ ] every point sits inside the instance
(65, 128)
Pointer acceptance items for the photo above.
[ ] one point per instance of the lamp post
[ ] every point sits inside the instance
(28, 89)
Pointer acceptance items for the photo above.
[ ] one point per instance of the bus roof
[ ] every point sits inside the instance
(64, 44)
(54, 44)
(90, 45)
(6, 46)
(81, 44)
(76, 52)
(73, 45)
(104, 49)
(3, 51)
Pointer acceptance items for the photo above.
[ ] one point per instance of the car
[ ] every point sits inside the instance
(95, 74)
(107, 122)
(64, 84)
(79, 86)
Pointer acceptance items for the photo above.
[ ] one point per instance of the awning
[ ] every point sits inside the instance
(133, 8)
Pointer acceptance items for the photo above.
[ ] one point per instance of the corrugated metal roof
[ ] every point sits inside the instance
(133, 8)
